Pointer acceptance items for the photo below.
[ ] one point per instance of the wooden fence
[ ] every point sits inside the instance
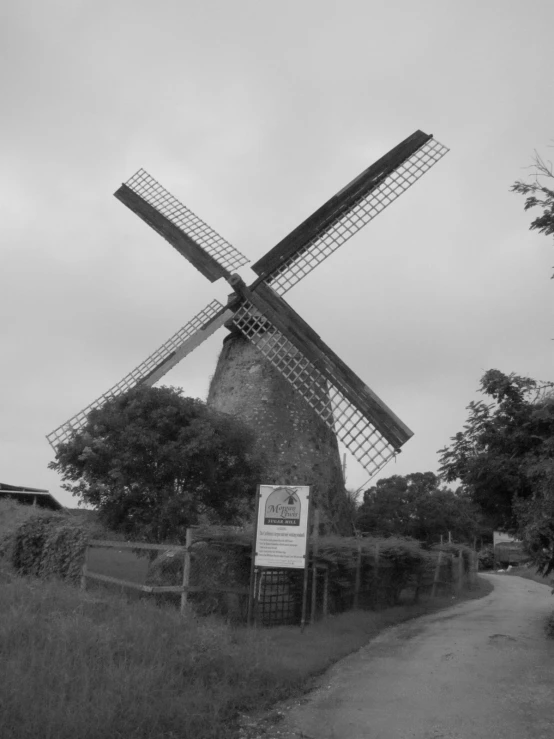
(449, 571)
(184, 589)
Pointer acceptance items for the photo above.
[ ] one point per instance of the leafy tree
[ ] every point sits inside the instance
(154, 462)
(416, 506)
(535, 514)
(539, 195)
(504, 458)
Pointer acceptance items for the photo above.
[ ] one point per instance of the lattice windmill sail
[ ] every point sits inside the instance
(361, 421)
(348, 211)
(364, 424)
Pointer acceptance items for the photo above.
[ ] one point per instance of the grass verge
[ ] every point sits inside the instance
(89, 665)
(528, 573)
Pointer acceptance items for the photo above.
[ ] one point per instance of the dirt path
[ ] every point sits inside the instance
(480, 670)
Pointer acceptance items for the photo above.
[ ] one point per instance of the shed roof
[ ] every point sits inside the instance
(23, 494)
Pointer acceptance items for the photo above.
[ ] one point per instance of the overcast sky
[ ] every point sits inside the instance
(254, 113)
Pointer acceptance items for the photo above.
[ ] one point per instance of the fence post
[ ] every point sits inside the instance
(419, 580)
(326, 592)
(358, 574)
(471, 571)
(375, 575)
(460, 582)
(84, 570)
(260, 578)
(315, 545)
(186, 571)
(437, 575)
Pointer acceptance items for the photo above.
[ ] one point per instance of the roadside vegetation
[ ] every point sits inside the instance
(530, 573)
(504, 460)
(94, 664)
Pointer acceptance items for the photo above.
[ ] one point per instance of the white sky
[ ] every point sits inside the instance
(254, 113)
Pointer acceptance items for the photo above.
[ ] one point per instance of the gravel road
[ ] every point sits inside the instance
(482, 669)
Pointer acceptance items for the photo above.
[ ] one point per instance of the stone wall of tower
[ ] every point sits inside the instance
(295, 446)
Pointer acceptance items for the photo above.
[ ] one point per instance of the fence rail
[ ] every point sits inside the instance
(184, 589)
(100, 543)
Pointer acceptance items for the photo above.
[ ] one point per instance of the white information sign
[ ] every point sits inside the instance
(282, 526)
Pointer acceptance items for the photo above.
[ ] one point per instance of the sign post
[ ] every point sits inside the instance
(281, 535)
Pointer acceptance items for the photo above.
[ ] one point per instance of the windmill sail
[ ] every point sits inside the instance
(359, 418)
(195, 240)
(190, 336)
(346, 419)
(348, 211)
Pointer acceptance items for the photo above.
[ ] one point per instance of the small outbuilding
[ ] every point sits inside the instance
(508, 550)
(30, 496)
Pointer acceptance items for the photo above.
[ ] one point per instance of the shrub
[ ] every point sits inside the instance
(12, 516)
(387, 567)
(486, 557)
(50, 546)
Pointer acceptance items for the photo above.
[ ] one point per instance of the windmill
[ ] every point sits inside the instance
(314, 394)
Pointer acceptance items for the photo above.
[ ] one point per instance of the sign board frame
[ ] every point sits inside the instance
(279, 524)
(282, 521)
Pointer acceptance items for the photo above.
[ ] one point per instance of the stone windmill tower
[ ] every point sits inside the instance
(292, 441)
(274, 371)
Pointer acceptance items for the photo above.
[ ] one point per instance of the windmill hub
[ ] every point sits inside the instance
(235, 280)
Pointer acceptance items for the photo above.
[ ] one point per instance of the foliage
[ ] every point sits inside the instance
(538, 195)
(535, 517)
(47, 546)
(154, 462)
(385, 568)
(216, 563)
(12, 516)
(505, 459)
(486, 557)
(417, 506)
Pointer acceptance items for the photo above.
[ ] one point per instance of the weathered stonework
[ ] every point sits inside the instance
(295, 446)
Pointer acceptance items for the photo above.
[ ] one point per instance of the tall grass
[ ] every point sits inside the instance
(73, 665)
(79, 665)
